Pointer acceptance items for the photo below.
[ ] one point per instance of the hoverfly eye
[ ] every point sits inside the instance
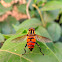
(33, 31)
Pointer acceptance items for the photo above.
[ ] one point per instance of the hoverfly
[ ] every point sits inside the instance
(31, 39)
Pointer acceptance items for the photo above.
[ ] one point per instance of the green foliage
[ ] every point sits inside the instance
(43, 32)
(52, 5)
(7, 1)
(7, 25)
(58, 50)
(34, 22)
(1, 38)
(3, 9)
(17, 50)
(50, 15)
(10, 28)
(60, 20)
(22, 8)
(55, 31)
(14, 50)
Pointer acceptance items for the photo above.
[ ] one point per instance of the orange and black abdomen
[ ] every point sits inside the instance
(31, 42)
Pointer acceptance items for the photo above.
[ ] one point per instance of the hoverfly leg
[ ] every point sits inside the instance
(39, 48)
(24, 49)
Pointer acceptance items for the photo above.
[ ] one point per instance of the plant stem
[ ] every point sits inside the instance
(27, 9)
(40, 13)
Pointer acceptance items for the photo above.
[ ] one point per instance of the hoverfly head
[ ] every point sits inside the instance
(31, 31)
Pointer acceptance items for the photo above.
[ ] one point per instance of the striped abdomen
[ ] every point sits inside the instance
(31, 42)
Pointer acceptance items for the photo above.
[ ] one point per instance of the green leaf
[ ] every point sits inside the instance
(50, 15)
(54, 0)
(32, 13)
(12, 51)
(54, 31)
(22, 31)
(30, 6)
(7, 36)
(61, 30)
(52, 5)
(60, 20)
(22, 8)
(41, 0)
(58, 50)
(35, 1)
(3, 9)
(0, 27)
(1, 38)
(28, 23)
(8, 1)
(7, 25)
(18, 32)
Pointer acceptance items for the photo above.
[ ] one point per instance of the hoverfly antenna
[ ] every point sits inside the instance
(31, 28)
(34, 28)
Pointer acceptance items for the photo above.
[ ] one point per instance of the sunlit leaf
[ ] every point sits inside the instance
(12, 52)
(58, 50)
(52, 5)
(34, 22)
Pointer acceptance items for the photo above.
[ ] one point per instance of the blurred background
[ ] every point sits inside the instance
(17, 16)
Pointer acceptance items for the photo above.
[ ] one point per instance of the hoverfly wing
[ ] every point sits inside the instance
(19, 39)
(42, 39)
